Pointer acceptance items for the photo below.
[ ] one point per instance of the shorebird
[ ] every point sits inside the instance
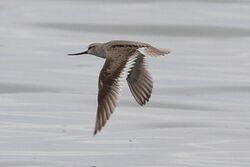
(124, 60)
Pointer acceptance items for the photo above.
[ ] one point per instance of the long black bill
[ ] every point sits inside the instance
(81, 53)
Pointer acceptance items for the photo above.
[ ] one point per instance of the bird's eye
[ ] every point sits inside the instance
(90, 47)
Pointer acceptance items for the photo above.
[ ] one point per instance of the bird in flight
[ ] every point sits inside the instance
(124, 60)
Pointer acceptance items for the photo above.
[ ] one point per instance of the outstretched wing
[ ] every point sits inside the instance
(140, 82)
(109, 84)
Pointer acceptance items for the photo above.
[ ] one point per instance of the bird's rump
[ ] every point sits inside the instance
(152, 51)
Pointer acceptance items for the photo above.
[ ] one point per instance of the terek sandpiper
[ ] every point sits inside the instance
(124, 59)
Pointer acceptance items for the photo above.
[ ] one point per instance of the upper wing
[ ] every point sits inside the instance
(140, 82)
(109, 84)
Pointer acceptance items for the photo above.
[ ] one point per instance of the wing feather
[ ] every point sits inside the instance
(140, 82)
(110, 79)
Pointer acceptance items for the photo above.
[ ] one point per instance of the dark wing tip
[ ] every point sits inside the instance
(95, 132)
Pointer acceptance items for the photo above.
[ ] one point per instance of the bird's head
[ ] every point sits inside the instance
(95, 49)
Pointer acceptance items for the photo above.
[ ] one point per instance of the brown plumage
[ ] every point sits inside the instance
(124, 60)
